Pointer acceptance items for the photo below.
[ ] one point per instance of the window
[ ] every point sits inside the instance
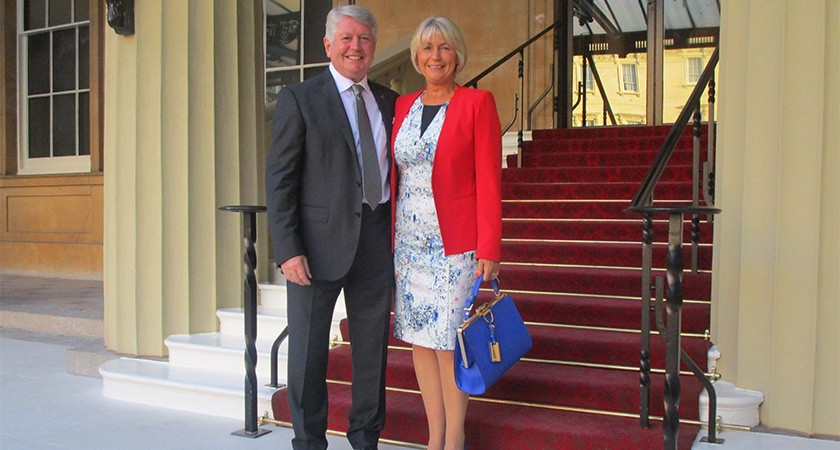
(294, 42)
(695, 69)
(628, 74)
(53, 86)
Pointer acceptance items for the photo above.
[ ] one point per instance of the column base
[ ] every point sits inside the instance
(735, 406)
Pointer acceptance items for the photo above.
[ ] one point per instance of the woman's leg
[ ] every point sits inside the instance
(454, 400)
(428, 377)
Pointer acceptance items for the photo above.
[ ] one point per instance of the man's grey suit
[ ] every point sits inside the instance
(314, 200)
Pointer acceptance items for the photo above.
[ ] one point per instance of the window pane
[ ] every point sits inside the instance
(38, 69)
(276, 80)
(64, 125)
(629, 77)
(314, 27)
(84, 123)
(34, 14)
(81, 10)
(64, 60)
(84, 57)
(39, 127)
(282, 34)
(695, 68)
(60, 12)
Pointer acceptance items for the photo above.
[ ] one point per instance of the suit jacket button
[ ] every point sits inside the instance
(358, 214)
(358, 184)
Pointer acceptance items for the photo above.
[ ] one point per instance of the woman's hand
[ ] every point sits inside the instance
(490, 269)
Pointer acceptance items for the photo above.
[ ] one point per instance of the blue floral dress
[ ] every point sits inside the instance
(432, 288)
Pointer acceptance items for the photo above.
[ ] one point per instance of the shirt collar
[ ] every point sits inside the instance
(343, 83)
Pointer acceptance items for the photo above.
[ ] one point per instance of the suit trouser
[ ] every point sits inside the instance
(368, 288)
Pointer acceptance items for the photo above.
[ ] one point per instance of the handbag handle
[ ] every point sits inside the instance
(474, 293)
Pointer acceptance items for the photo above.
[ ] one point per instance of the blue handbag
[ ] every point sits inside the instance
(489, 342)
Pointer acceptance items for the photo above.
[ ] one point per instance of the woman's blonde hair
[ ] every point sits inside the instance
(448, 31)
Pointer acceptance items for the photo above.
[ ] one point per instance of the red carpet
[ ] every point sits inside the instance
(571, 261)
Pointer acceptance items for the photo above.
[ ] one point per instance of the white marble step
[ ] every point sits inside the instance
(269, 324)
(271, 314)
(232, 323)
(224, 353)
(161, 384)
(272, 296)
(206, 372)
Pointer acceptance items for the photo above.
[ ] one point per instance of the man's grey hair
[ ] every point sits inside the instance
(355, 12)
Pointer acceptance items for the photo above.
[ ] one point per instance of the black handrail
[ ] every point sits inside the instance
(643, 204)
(644, 194)
(474, 81)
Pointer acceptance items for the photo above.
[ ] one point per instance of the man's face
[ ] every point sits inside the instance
(351, 50)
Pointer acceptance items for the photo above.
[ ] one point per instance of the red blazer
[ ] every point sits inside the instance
(466, 173)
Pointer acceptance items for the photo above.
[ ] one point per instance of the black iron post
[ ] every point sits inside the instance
(249, 214)
(673, 313)
(644, 355)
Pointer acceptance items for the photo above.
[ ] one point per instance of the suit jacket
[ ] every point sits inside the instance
(466, 173)
(313, 181)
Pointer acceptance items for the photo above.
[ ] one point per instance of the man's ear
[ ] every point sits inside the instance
(327, 46)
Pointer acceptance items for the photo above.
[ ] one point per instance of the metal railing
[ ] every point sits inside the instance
(608, 112)
(670, 327)
(249, 214)
(519, 102)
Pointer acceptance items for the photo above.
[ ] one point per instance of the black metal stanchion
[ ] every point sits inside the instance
(249, 213)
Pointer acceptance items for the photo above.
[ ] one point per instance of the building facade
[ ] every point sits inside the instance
(172, 121)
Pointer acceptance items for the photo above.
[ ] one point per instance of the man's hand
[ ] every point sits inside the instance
(296, 270)
(490, 269)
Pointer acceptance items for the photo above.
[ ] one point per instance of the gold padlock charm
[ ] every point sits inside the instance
(495, 352)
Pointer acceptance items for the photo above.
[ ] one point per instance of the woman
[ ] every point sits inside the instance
(447, 155)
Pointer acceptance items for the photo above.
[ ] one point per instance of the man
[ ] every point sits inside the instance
(330, 224)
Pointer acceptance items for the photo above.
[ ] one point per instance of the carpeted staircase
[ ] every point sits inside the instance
(571, 262)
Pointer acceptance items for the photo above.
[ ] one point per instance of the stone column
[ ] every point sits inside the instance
(183, 127)
(776, 312)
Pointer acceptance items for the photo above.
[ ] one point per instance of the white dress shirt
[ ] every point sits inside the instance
(380, 136)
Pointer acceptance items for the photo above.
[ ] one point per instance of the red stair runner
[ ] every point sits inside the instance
(571, 261)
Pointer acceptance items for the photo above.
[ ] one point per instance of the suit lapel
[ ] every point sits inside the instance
(386, 108)
(335, 108)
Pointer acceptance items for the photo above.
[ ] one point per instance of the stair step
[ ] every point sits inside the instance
(594, 254)
(552, 384)
(503, 426)
(629, 230)
(591, 191)
(591, 311)
(595, 281)
(225, 353)
(269, 325)
(605, 347)
(547, 157)
(604, 174)
(575, 209)
(272, 297)
(582, 345)
(161, 384)
(627, 131)
(608, 144)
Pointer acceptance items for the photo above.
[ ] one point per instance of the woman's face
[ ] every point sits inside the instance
(437, 60)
